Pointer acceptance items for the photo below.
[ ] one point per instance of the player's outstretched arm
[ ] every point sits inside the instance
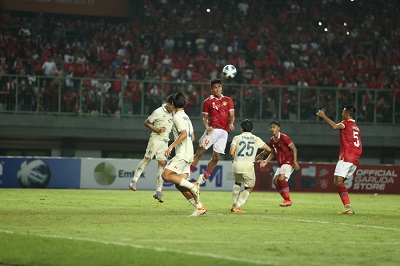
(332, 124)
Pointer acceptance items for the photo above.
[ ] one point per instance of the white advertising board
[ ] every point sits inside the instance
(117, 174)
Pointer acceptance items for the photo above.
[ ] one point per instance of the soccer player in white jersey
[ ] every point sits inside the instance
(160, 122)
(178, 168)
(243, 152)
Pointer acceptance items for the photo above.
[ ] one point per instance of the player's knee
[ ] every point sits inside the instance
(165, 176)
(216, 157)
(249, 189)
(200, 151)
(162, 164)
(338, 180)
(278, 178)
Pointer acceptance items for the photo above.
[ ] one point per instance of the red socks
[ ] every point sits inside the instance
(278, 188)
(283, 188)
(207, 174)
(343, 193)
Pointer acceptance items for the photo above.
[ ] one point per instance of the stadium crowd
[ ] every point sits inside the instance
(308, 43)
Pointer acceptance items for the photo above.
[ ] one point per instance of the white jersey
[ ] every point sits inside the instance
(184, 150)
(161, 118)
(247, 145)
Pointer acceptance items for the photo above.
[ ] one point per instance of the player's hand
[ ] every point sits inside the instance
(231, 127)
(263, 163)
(320, 113)
(259, 158)
(296, 166)
(209, 130)
(161, 130)
(167, 153)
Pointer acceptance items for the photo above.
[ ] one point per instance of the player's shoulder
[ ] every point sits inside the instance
(178, 115)
(285, 138)
(226, 98)
(257, 137)
(235, 138)
(158, 109)
(349, 122)
(210, 98)
(283, 135)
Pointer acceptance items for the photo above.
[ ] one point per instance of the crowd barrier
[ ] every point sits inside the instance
(103, 97)
(98, 173)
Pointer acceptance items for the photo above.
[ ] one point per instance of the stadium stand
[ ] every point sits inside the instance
(329, 43)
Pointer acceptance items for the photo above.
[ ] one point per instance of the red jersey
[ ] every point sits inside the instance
(281, 148)
(350, 142)
(218, 111)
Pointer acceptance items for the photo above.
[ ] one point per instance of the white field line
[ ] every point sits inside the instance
(334, 223)
(316, 221)
(321, 242)
(157, 249)
(266, 242)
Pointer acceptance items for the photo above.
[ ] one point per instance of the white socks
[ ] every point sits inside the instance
(235, 194)
(186, 184)
(193, 202)
(242, 198)
(139, 169)
(201, 179)
(160, 180)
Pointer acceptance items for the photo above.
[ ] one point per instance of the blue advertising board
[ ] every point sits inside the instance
(39, 172)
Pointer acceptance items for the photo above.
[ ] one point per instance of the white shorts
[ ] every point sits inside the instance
(248, 179)
(285, 169)
(345, 169)
(218, 137)
(156, 147)
(178, 166)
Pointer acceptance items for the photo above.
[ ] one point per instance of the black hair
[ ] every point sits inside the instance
(180, 99)
(170, 98)
(351, 110)
(215, 81)
(247, 125)
(275, 123)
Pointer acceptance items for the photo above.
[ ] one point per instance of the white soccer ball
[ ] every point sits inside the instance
(34, 174)
(229, 71)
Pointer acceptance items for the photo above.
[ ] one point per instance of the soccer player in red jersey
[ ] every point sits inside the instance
(349, 152)
(218, 118)
(285, 152)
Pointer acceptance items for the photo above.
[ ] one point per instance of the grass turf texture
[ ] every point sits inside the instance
(115, 227)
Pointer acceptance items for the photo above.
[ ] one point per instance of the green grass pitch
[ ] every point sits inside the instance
(122, 227)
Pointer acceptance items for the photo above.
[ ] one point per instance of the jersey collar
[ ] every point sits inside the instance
(165, 109)
(213, 97)
(279, 136)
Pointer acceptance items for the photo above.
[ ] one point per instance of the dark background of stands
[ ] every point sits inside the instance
(266, 42)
